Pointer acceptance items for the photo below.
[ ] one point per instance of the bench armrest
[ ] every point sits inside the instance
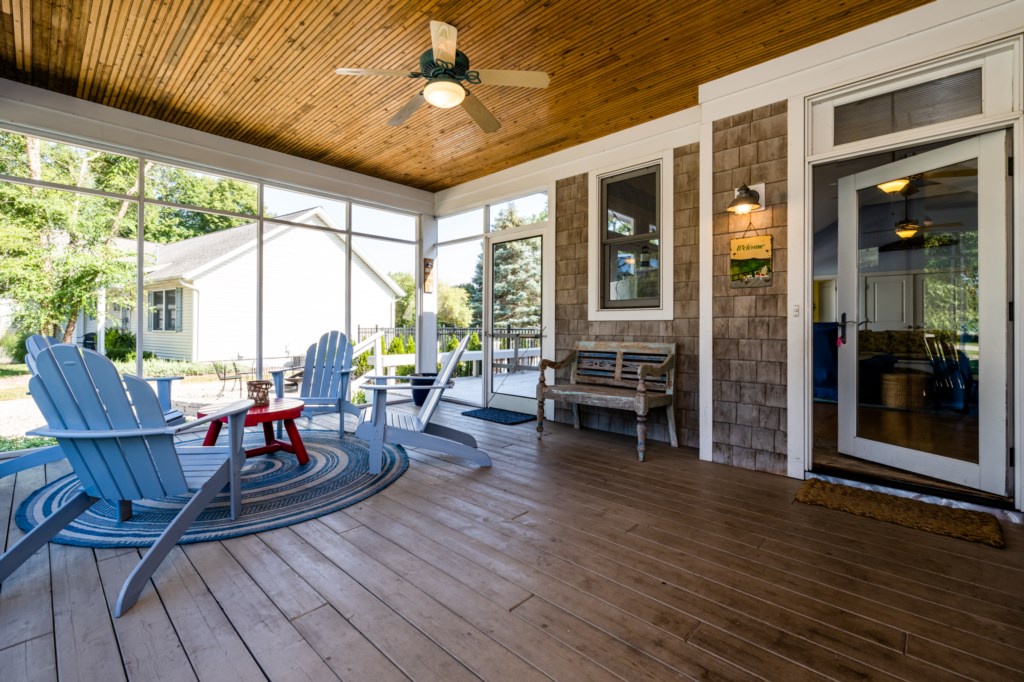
(657, 370)
(545, 364)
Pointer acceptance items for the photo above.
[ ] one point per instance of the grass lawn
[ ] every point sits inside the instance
(13, 370)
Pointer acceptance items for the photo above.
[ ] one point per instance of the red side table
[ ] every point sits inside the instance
(285, 409)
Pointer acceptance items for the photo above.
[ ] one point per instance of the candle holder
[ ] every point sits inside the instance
(259, 392)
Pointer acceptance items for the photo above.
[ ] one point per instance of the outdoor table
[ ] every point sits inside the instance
(287, 410)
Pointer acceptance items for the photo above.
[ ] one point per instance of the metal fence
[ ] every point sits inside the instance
(507, 337)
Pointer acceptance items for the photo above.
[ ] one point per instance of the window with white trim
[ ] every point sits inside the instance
(163, 310)
(630, 239)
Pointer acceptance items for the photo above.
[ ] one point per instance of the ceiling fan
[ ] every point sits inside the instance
(445, 70)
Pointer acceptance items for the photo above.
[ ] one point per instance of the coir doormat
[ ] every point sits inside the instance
(965, 524)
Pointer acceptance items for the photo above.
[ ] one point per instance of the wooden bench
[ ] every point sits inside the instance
(617, 374)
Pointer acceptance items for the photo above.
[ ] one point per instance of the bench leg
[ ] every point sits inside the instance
(575, 416)
(641, 435)
(540, 417)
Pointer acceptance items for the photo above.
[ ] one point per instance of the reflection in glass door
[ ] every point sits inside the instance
(513, 319)
(922, 291)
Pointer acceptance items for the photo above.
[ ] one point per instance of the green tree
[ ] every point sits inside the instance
(405, 307)
(453, 306)
(516, 287)
(59, 249)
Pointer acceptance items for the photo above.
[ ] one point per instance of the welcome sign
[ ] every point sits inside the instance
(750, 262)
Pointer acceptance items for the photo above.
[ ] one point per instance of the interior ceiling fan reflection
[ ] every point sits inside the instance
(446, 71)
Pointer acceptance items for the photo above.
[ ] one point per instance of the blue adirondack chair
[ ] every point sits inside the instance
(37, 342)
(121, 449)
(325, 378)
(417, 431)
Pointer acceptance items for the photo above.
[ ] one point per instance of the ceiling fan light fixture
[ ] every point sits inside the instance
(905, 229)
(443, 93)
(893, 186)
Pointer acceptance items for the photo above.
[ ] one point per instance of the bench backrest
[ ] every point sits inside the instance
(617, 363)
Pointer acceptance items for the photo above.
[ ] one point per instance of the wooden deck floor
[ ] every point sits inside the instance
(567, 560)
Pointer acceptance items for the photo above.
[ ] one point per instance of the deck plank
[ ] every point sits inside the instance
(568, 559)
(149, 645)
(277, 646)
(214, 647)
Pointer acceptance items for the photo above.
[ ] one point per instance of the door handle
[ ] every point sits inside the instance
(841, 339)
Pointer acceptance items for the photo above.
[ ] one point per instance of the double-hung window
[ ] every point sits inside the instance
(163, 315)
(630, 227)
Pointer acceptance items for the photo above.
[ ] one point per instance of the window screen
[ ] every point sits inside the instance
(944, 99)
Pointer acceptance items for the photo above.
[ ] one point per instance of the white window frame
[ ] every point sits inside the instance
(665, 310)
(996, 62)
(164, 312)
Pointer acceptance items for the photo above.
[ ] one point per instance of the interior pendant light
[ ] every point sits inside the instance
(746, 200)
(443, 93)
(893, 186)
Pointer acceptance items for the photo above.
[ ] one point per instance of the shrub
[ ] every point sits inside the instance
(359, 398)
(24, 442)
(12, 345)
(119, 343)
(396, 347)
(404, 370)
(410, 344)
(474, 342)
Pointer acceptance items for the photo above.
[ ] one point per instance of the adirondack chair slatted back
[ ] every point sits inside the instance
(443, 377)
(321, 376)
(82, 391)
(603, 363)
(34, 345)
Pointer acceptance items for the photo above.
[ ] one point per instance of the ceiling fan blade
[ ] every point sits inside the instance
(442, 37)
(521, 79)
(371, 72)
(408, 110)
(478, 112)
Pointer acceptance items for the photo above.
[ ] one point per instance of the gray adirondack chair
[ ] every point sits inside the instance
(325, 379)
(417, 431)
(121, 449)
(37, 342)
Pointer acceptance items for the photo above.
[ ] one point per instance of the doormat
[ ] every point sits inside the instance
(493, 414)
(965, 524)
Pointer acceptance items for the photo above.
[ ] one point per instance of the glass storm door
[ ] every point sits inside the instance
(512, 319)
(923, 282)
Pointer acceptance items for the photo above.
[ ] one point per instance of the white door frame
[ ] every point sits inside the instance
(546, 233)
(989, 473)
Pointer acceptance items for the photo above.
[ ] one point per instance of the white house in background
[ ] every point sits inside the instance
(201, 292)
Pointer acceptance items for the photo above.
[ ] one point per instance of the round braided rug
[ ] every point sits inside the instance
(276, 492)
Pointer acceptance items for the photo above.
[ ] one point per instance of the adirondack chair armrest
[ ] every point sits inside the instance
(344, 371)
(234, 408)
(553, 364)
(405, 387)
(94, 435)
(238, 406)
(657, 370)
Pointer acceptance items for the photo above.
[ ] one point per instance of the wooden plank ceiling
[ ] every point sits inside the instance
(262, 72)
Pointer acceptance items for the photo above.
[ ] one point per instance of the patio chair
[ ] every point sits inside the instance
(233, 373)
(417, 431)
(37, 342)
(324, 379)
(121, 449)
